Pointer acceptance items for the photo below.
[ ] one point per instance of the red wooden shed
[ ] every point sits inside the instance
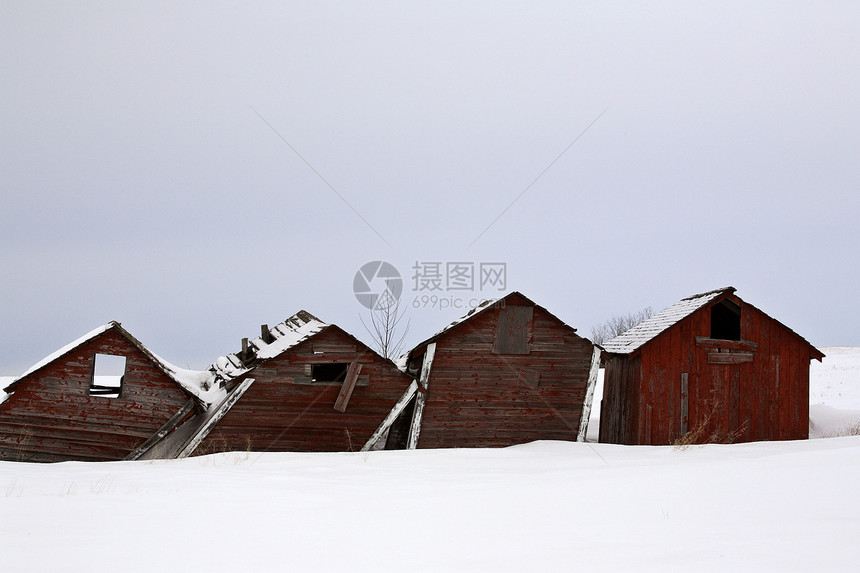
(711, 368)
(509, 372)
(302, 386)
(103, 397)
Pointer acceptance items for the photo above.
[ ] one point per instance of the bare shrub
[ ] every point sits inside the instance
(852, 429)
(619, 324)
(697, 435)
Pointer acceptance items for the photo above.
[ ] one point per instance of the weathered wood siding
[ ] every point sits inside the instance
(478, 398)
(618, 409)
(284, 411)
(51, 417)
(738, 391)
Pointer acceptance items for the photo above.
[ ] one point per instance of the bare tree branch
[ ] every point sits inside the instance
(385, 326)
(619, 325)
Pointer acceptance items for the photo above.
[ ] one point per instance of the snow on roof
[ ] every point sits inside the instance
(284, 336)
(645, 331)
(68, 347)
(199, 383)
(402, 362)
(5, 381)
(289, 333)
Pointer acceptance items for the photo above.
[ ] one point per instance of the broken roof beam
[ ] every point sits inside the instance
(383, 428)
(423, 381)
(163, 431)
(266, 334)
(247, 354)
(589, 394)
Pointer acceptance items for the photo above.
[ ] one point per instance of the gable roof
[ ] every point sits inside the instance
(645, 331)
(481, 308)
(195, 383)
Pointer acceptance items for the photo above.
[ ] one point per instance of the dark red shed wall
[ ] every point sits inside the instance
(51, 417)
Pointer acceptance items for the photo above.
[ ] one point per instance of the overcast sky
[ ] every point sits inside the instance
(194, 171)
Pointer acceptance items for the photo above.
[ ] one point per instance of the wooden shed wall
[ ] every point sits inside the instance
(478, 398)
(284, 411)
(731, 397)
(51, 417)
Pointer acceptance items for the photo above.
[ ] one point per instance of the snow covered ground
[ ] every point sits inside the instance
(545, 506)
(834, 396)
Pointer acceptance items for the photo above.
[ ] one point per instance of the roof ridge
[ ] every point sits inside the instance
(710, 292)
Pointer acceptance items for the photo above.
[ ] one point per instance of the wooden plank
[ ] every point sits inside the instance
(385, 426)
(705, 342)
(784, 387)
(216, 415)
(802, 375)
(648, 422)
(734, 403)
(719, 400)
(672, 365)
(662, 396)
(162, 431)
(685, 403)
(729, 357)
(348, 386)
(423, 381)
(589, 394)
(774, 399)
(513, 330)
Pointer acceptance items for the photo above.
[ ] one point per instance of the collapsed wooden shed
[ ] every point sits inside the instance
(302, 386)
(105, 396)
(710, 368)
(509, 372)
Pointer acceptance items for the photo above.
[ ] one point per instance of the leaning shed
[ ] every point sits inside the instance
(711, 368)
(103, 397)
(509, 372)
(302, 386)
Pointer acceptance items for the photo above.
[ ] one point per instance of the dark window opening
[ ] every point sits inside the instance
(108, 372)
(726, 321)
(335, 372)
